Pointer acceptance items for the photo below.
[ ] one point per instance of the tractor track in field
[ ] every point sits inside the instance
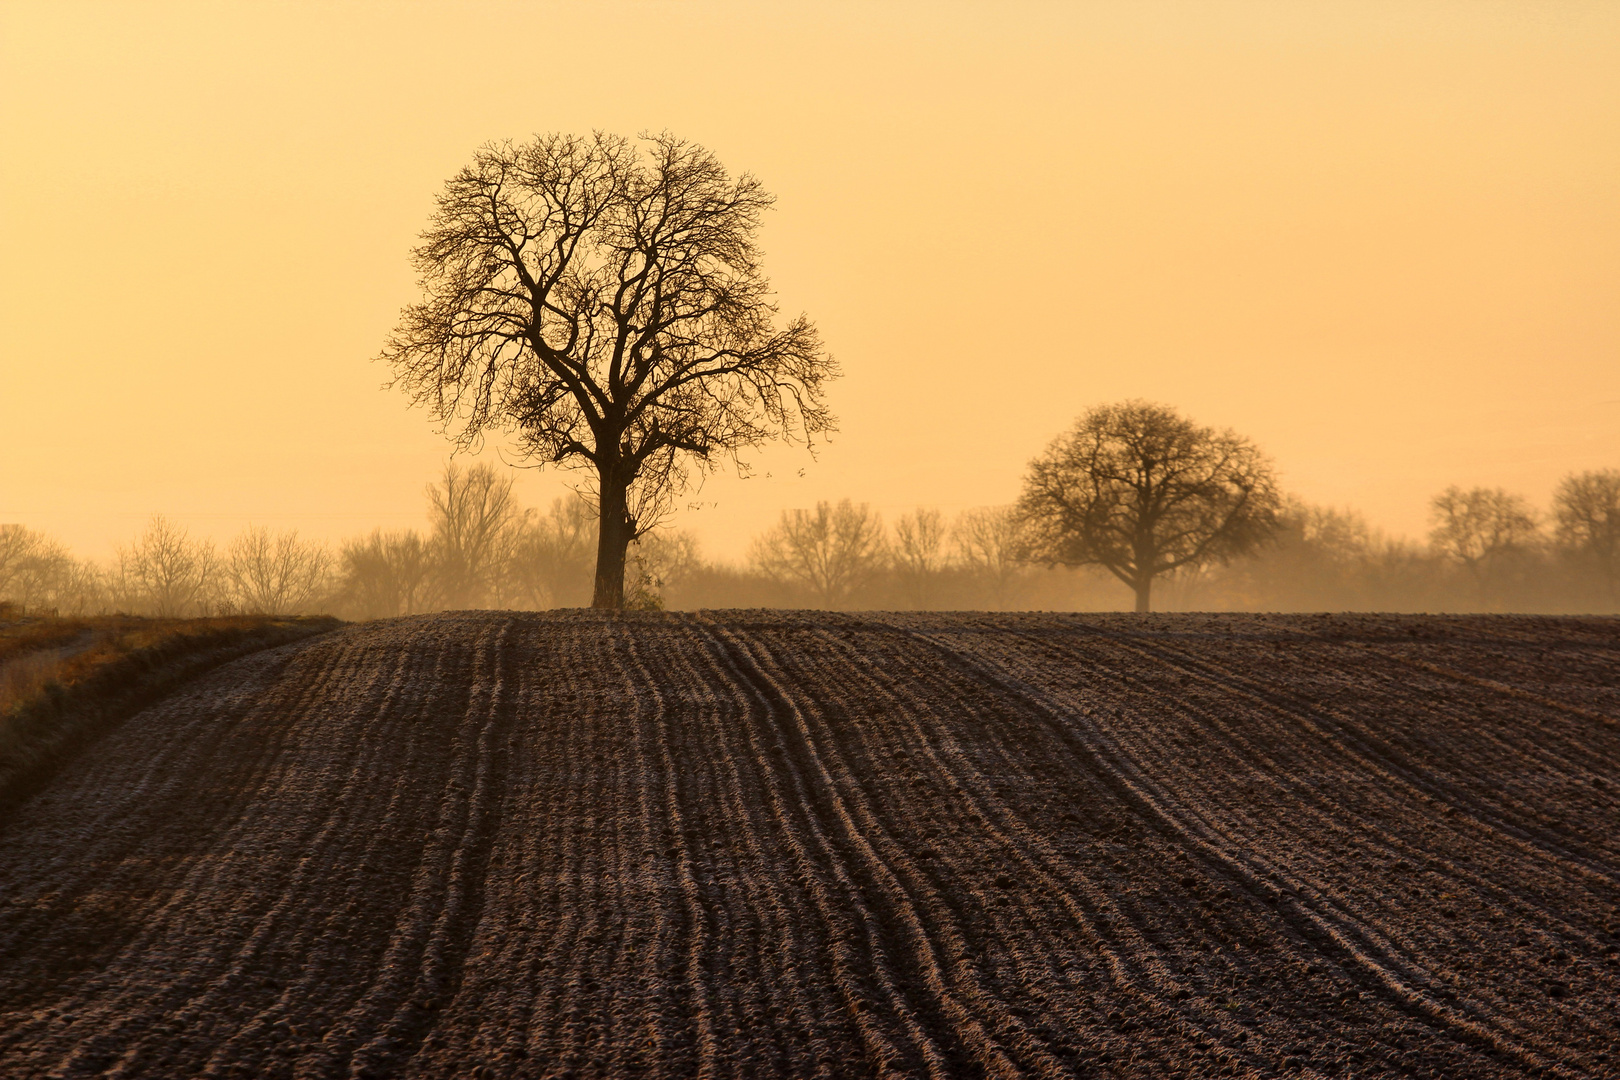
(490, 844)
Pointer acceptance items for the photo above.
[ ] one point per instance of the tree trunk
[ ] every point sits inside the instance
(1144, 561)
(612, 542)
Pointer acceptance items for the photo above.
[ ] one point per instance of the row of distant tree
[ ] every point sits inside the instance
(1488, 550)
(481, 549)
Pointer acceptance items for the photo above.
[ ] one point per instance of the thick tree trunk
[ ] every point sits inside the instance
(612, 541)
(1144, 561)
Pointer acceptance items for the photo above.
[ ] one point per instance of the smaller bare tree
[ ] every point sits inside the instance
(989, 546)
(831, 551)
(1141, 491)
(39, 574)
(475, 518)
(166, 573)
(18, 548)
(1318, 560)
(387, 574)
(552, 555)
(74, 587)
(276, 573)
(919, 555)
(1586, 508)
(1483, 530)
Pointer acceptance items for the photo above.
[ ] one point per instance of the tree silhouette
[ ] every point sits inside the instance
(990, 547)
(551, 560)
(1484, 530)
(166, 573)
(831, 551)
(918, 554)
(388, 574)
(1586, 508)
(269, 573)
(1141, 491)
(604, 303)
(476, 523)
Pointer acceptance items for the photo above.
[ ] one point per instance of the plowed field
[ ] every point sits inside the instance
(498, 845)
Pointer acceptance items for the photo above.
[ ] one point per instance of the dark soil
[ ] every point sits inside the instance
(746, 844)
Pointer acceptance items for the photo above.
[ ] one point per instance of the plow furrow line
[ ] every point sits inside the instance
(695, 918)
(520, 846)
(849, 918)
(754, 810)
(1354, 738)
(1133, 964)
(1392, 926)
(167, 910)
(1375, 954)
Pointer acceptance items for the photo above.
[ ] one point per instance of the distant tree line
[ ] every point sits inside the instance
(1488, 551)
(480, 550)
(1237, 546)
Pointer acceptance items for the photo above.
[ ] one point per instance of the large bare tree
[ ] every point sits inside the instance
(1142, 491)
(602, 301)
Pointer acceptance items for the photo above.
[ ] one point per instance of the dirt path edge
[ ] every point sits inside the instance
(41, 736)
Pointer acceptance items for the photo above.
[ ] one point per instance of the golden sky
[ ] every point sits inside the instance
(1382, 239)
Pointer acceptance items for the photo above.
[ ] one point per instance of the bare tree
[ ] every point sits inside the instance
(1586, 508)
(1141, 491)
(166, 573)
(18, 547)
(475, 521)
(74, 587)
(606, 305)
(27, 561)
(1483, 530)
(989, 546)
(276, 573)
(919, 554)
(552, 556)
(387, 574)
(831, 551)
(38, 573)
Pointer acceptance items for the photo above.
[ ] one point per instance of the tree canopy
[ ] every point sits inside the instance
(602, 301)
(1141, 491)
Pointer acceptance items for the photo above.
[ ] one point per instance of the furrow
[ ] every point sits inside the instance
(1358, 942)
(817, 768)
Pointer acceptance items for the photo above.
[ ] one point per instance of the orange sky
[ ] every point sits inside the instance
(1382, 239)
